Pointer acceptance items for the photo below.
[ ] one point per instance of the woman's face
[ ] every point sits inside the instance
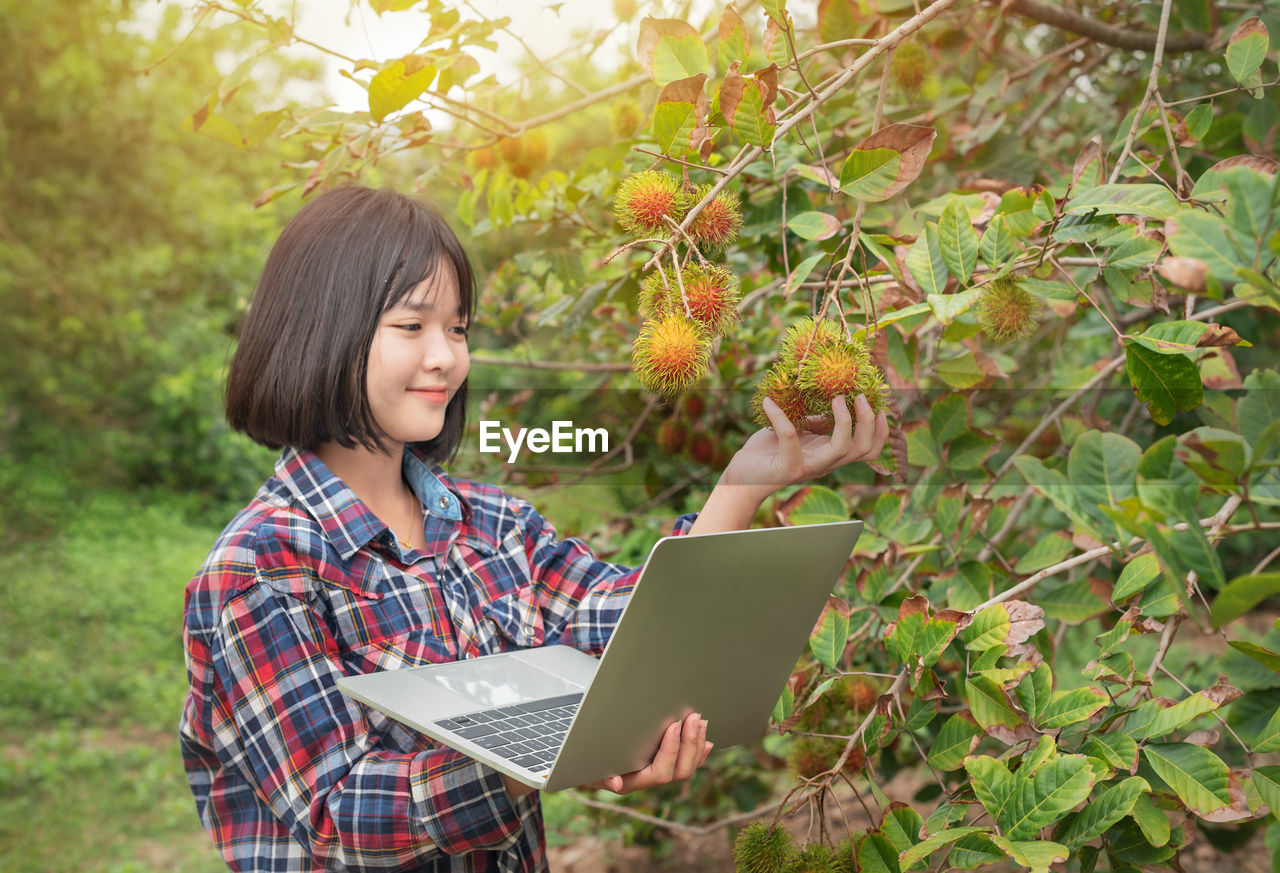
(419, 359)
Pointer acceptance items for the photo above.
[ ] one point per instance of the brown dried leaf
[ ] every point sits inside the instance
(1185, 273)
(1091, 152)
(731, 20)
(1220, 371)
(1223, 692)
(1238, 810)
(1217, 335)
(1025, 620)
(772, 31)
(1207, 738)
(731, 91)
(913, 142)
(767, 81)
(1261, 163)
(1013, 736)
(916, 603)
(782, 512)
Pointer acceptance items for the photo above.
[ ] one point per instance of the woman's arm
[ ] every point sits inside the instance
(776, 457)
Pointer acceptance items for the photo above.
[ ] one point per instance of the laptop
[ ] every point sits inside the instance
(714, 626)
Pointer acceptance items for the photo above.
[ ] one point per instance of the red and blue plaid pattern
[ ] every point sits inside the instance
(305, 585)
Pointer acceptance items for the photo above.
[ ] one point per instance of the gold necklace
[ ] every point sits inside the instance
(415, 514)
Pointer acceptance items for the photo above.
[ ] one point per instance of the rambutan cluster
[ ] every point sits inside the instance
(763, 848)
(686, 312)
(817, 363)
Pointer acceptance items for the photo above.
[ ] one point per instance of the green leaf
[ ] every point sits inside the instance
(1034, 690)
(801, 272)
(958, 241)
(1269, 739)
(1201, 235)
(814, 225)
(949, 418)
(919, 636)
(1172, 337)
(1021, 805)
(734, 43)
(1168, 384)
(1267, 781)
(886, 162)
(673, 121)
(901, 825)
(1263, 656)
(1139, 573)
(1241, 595)
(1249, 209)
(1153, 201)
(954, 742)
(1035, 855)
(1047, 551)
(961, 371)
(1070, 707)
(1199, 120)
(975, 850)
(670, 49)
(1016, 205)
(1136, 252)
(877, 855)
(988, 628)
(1153, 823)
(1118, 749)
(927, 847)
(1259, 408)
(1103, 467)
(1247, 48)
(997, 244)
(1102, 812)
(1196, 775)
(925, 263)
(989, 705)
(947, 306)
(751, 118)
(397, 84)
(828, 643)
(785, 706)
(1048, 289)
(821, 505)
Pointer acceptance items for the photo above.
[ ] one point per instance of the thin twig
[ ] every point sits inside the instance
(1153, 82)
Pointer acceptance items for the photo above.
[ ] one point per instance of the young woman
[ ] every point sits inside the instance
(361, 553)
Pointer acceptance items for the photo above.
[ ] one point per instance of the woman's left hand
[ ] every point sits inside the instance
(683, 750)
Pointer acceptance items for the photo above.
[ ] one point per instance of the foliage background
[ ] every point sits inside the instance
(129, 253)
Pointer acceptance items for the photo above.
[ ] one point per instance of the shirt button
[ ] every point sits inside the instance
(444, 502)
(470, 655)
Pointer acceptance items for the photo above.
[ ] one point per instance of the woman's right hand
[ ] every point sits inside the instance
(683, 750)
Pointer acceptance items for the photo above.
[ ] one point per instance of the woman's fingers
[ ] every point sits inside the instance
(785, 431)
(693, 735)
(865, 431)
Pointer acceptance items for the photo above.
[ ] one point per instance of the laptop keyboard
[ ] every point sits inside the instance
(527, 734)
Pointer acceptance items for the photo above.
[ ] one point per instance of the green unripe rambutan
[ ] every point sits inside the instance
(1006, 312)
(645, 200)
(779, 384)
(669, 355)
(910, 65)
(815, 858)
(717, 224)
(711, 292)
(759, 848)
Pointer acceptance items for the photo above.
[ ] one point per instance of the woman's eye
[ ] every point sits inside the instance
(411, 325)
(461, 330)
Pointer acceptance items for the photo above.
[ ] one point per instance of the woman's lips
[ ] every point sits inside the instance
(438, 395)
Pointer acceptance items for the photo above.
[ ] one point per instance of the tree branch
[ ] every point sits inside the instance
(1064, 19)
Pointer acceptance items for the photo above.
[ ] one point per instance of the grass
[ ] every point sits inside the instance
(90, 632)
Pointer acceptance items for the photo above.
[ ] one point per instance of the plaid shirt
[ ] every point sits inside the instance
(305, 585)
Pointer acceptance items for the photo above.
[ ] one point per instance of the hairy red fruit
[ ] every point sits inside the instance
(718, 223)
(669, 355)
(671, 436)
(646, 200)
(840, 370)
(807, 336)
(779, 385)
(693, 406)
(863, 693)
(1006, 312)
(711, 293)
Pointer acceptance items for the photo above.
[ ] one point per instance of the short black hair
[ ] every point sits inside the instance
(298, 376)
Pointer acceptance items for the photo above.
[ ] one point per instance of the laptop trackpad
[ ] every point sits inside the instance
(498, 681)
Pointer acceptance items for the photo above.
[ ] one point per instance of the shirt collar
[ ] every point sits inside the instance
(346, 521)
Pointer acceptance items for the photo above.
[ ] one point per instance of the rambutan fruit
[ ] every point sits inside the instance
(711, 293)
(671, 436)
(693, 406)
(759, 848)
(816, 858)
(647, 199)
(779, 385)
(626, 118)
(910, 65)
(810, 756)
(481, 159)
(1006, 312)
(840, 370)
(669, 355)
(807, 336)
(864, 692)
(717, 224)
